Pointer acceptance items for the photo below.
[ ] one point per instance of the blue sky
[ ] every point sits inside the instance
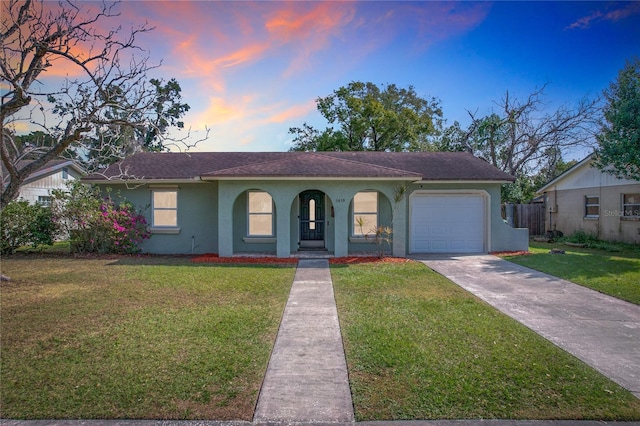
(252, 70)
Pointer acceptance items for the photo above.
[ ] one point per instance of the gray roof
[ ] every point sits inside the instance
(437, 166)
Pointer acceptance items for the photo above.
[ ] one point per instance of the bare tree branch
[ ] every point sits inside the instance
(107, 89)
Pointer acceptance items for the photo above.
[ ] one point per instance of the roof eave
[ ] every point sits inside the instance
(481, 181)
(317, 178)
(140, 181)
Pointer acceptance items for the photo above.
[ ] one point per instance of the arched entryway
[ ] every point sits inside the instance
(312, 220)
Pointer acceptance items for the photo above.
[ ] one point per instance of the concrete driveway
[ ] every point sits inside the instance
(602, 331)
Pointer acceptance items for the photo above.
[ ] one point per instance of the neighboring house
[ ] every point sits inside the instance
(38, 186)
(584, 198)
(284, 202)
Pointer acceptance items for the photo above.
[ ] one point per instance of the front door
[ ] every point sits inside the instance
(312, 219)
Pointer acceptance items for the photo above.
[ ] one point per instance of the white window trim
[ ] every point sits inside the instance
(636, 216)
(586, 207)
(358, 236)
(166, 229)
(259, 238)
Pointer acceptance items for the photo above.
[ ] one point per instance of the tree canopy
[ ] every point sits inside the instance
(372, 118)
(618, 150)
(98, 92)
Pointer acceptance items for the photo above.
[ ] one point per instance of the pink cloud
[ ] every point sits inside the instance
(245, 54)
(291, 113)
(615, 15)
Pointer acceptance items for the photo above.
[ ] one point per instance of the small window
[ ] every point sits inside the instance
(44, 200)
(631, 205)
(165, 208)
(365, 213)
(65, 173)
(592, 206)
(260, 217)
(312, 214)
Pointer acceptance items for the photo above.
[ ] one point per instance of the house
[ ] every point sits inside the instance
(584, 198)
(38, 186)
(285, 202)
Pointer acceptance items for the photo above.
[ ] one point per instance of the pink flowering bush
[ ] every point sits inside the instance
(98, 224)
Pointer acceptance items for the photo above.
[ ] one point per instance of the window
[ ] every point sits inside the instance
(631, 205)
(165, 208)
(365, 213)
(65, 173)
(44, 200)
(260, 221)
(312, 214)
(591, 206)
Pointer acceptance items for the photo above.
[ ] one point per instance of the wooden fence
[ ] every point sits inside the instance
(531, 216)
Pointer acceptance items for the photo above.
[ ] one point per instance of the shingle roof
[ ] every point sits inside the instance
(438, 166)
(309, 164)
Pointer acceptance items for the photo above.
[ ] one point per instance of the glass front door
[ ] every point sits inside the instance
(312, 219)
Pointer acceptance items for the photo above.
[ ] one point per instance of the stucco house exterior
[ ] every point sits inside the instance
(38, 186)
(282, 203)
(584, 198)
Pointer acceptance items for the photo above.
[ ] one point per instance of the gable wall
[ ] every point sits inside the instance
(586, 176)
(43, 186)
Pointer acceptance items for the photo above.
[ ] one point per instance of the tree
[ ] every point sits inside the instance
(118, 141)
(521, 138)
(618, 149)
(105, 94)
(370, 118)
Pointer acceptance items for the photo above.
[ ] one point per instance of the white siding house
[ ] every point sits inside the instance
(55, 175)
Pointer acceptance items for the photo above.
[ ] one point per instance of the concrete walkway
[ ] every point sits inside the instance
(307, 379)
(602, 331)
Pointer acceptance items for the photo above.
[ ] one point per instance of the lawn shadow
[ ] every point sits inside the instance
(187, 260)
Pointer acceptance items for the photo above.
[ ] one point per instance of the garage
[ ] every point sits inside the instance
(447, 223)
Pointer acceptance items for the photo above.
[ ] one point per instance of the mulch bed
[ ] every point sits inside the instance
(214, 258)
(510, 253)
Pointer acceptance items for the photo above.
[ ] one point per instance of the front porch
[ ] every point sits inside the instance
(295, 219)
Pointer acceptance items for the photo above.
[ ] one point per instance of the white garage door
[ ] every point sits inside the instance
(447, 224)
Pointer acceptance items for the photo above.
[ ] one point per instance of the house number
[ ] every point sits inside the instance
(339, 200)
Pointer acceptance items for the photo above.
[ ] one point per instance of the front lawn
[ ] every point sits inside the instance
(144, 338)
(420, 347)
(614, 273)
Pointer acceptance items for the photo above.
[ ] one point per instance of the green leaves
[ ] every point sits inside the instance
(372, 118)
(24, 224)
(618, 152)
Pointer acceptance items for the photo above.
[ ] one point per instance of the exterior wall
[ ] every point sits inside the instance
(499, 235)
(197, 218)
(42, 186)
(566, 210)
(212, 217)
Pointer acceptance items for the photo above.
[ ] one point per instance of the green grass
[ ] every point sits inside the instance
(153, 338)
(419, 347)
(614, 273)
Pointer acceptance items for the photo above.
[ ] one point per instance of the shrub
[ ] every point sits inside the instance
(25, 224)
(592, 242)
(97, 224)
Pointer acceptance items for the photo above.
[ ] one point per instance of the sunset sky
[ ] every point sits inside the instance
(252, 70)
